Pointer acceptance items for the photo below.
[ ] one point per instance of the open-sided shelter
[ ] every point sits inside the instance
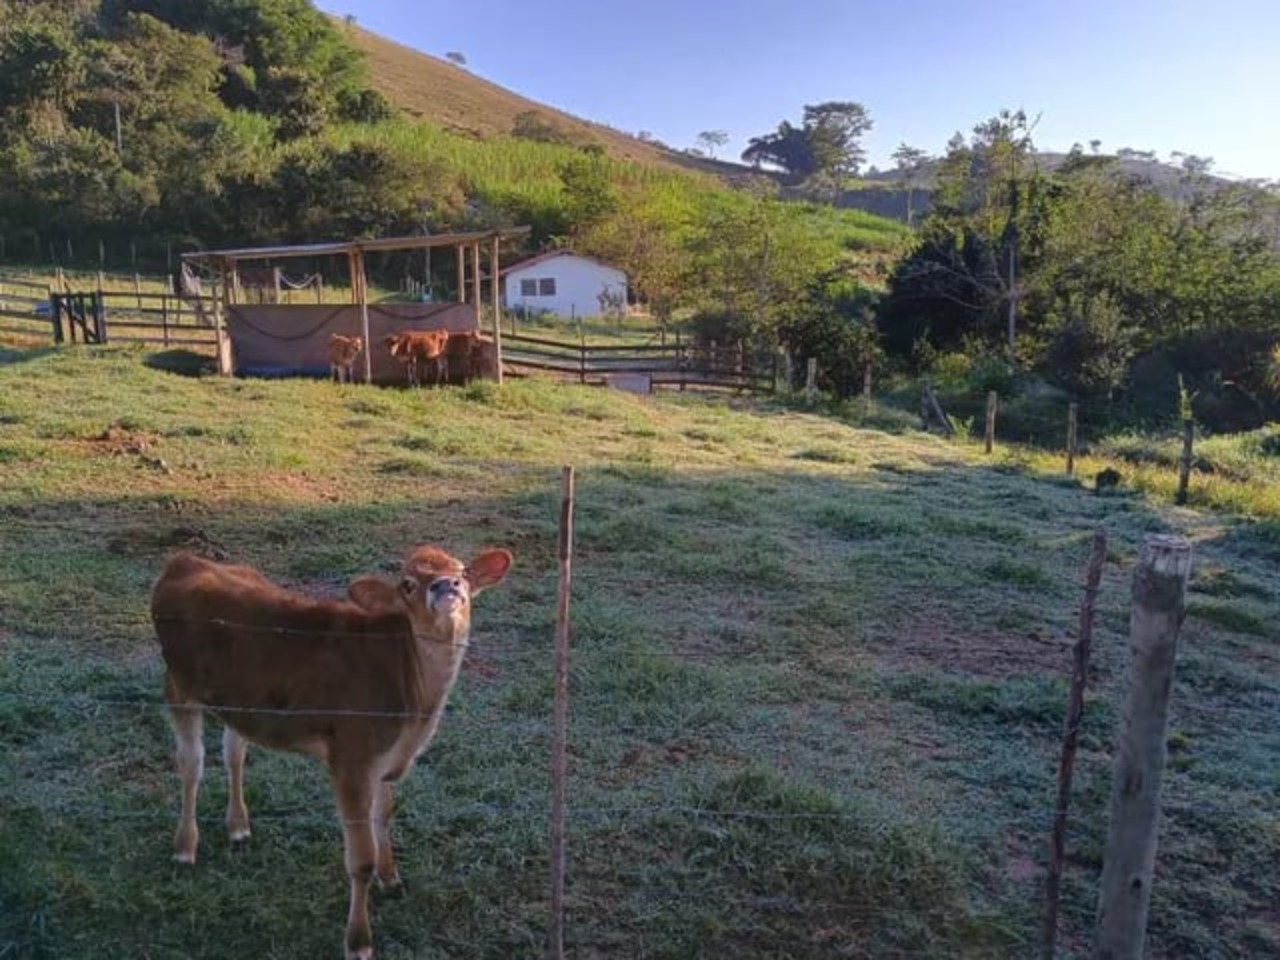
(279, 339)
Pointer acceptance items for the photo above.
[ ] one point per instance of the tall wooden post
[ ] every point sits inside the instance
(1070, 739)
(560, 718)
(1159, 590)
(495, 300)
(1184, 461)
(461, 251)
(1072, 411)
(811, 381)
(220, 303)
(993, 401)
(476, 298)
(359, 286)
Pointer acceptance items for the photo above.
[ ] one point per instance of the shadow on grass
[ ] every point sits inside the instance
(185, 363)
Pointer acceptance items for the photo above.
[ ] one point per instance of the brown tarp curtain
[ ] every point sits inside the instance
(293, 340)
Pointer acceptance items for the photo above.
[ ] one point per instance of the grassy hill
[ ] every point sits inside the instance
(452, 97)
(817, 681)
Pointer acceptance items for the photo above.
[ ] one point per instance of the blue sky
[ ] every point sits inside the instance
(1201, 78)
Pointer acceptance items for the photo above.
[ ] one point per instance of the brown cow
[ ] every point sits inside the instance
(419, 347)
(464, 356)
(359, 683)
(342, 356)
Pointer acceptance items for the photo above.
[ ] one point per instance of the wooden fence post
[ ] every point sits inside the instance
(811, 381)
(1072, 435)
(1159, 590)
(682, 361)
(929, 406)
(866, 386)
(1184, 461)
(560, 718)
(993, 402)
(1070, 738)
(55, 303)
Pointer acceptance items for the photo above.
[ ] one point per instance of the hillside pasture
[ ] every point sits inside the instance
(817, 678)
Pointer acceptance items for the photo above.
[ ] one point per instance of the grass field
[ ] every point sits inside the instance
(817, 676)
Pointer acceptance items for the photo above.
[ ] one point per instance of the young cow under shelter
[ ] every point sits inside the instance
(288, 339)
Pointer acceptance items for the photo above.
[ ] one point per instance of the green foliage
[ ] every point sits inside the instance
(1117, 287)
(251, 121)
(829, 141)
(833, 322)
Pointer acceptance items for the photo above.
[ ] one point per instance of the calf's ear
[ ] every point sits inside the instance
(488, 568)
(372, 593)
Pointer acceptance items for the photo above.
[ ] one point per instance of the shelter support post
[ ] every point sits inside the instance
(495, 301)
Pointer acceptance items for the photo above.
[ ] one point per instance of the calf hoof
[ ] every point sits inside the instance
(360, 947)
(184, 857)
(239, 841)
(392, 889)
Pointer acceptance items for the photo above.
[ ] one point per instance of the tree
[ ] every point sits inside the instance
(456, 58)
(829, 141)
(910, 161)
(834, 130)
(709, 140)
(787, 147)
(588, 191)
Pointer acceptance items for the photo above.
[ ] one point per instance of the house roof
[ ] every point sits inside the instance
(551, 255)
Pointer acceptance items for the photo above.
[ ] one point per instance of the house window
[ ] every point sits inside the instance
(547, 287)
(528, 288)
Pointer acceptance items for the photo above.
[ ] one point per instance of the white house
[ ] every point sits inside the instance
(564, 283)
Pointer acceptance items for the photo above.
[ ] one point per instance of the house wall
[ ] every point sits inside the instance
(578, 285)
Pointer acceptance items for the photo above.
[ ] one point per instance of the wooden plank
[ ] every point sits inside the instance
(158, 342)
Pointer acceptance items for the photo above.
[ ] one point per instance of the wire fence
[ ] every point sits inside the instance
(595, 771)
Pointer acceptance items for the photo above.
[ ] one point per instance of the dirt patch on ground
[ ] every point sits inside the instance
(152, 540)
(942, 647)
(299, 485)
(118, 441)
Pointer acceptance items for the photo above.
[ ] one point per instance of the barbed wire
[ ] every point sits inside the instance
(1031, 818)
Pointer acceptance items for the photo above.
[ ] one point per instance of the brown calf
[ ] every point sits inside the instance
(464, 356)
(419, 347)
(359, 683)
(342, 356)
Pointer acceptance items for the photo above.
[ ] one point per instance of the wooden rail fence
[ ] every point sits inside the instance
(169, 320)
(96, 315)
(683, 366)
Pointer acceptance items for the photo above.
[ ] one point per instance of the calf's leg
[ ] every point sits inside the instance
(188, 727)
(355, 792)
(387, 873)
(234, 748)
